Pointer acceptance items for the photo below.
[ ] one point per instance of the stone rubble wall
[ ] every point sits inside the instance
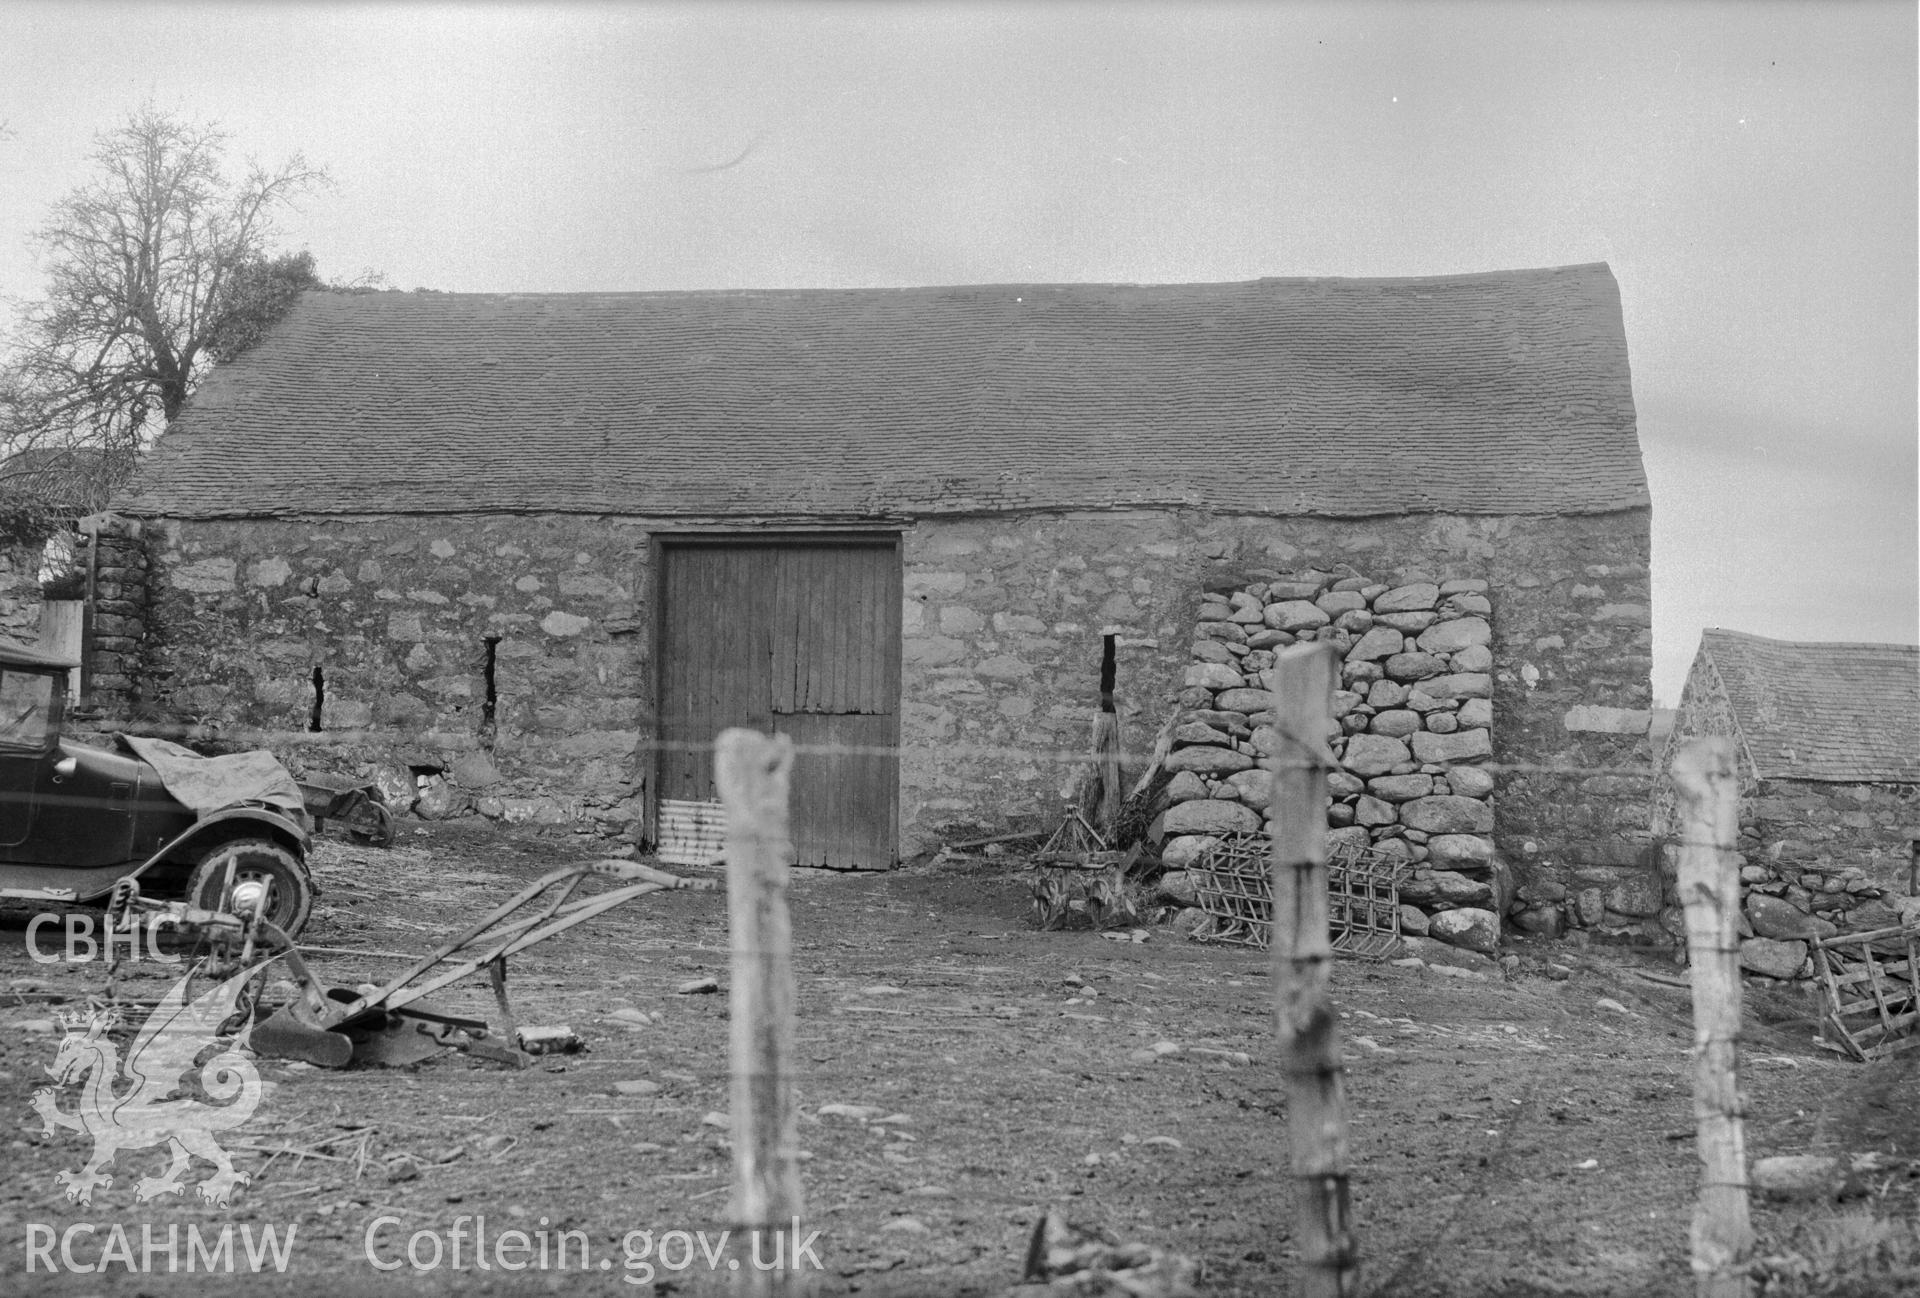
(1820, 859)
(1415, 717)
(1002, 630)
(1002, 639)
(397, 613)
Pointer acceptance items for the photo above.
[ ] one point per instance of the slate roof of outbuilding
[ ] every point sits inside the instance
(1504, 393)
(1821, 711)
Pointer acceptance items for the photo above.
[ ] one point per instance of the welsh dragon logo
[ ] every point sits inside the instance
(154, 1108)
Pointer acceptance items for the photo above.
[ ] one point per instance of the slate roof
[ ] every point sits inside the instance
(1821, 711)
(1504, 393)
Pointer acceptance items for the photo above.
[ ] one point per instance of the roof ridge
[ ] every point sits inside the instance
(1593, 268)
(1812, 644)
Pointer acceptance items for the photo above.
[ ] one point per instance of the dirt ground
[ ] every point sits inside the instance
(961, 1073)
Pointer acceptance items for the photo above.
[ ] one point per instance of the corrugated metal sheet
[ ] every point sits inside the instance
(691, 833)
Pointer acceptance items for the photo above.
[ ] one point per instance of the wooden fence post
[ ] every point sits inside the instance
(753, 774)
(1309, 1029)
(1706, 781)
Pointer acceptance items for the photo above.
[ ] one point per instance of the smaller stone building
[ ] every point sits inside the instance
(1828, 740)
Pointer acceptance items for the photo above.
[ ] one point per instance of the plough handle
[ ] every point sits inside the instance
(615, 868)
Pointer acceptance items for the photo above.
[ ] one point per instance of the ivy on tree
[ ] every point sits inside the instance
(156, 267)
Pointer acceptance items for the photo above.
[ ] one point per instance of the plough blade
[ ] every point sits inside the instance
(281, 1035)
(395, 1040)
(377, 1037)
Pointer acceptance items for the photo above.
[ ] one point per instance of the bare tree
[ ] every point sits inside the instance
(156, 267)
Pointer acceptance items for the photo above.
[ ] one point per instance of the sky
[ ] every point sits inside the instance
(1748, 170)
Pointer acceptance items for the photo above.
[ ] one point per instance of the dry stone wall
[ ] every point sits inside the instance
(1415, 717)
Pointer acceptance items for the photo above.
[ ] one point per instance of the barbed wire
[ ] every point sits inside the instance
(946, 749)
(1128, 1019)
(1250, 1057)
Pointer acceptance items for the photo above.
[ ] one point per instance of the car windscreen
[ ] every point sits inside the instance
(26, 708)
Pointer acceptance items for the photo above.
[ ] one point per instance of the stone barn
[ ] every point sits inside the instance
(538, 549)
(1828, 744)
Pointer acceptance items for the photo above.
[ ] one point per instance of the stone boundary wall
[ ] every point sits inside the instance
(1415, 713)
(20, 591)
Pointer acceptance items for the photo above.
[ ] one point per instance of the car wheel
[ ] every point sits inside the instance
(253, 864)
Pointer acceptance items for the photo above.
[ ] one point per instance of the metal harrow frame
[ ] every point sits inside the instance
(1233, 883)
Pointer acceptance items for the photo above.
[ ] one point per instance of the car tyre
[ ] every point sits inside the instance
(289, 887)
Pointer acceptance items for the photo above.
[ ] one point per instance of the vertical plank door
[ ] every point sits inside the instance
(711, 641)
(799, 638)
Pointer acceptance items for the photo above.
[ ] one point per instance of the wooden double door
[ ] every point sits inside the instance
(798, 637)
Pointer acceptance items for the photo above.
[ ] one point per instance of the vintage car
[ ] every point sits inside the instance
(226, 833)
